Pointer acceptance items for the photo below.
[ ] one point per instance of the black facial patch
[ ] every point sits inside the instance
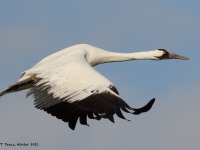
(161, 49)
(165, 55)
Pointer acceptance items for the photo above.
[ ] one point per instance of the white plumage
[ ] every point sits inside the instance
(65, 85)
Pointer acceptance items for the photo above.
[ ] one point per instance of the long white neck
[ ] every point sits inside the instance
(106, 57)
(148, 55)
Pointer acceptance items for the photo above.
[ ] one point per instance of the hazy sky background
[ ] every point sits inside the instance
(33, 29)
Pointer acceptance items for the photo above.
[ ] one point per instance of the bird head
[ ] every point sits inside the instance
(164, 54)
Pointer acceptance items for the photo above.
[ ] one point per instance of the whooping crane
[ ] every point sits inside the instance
(65, 85)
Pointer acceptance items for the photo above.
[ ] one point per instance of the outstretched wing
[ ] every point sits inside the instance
(71, 89)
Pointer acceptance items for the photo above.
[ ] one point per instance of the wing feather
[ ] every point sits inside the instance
(71, 90)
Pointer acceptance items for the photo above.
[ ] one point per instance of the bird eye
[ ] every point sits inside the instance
(165, 54)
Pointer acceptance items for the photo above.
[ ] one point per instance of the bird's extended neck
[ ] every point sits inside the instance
(106, 57)
(148, 55)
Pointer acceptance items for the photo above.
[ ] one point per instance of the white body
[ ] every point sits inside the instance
(69, 72)
(65, 85)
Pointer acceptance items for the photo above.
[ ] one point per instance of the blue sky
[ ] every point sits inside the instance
(31, 30)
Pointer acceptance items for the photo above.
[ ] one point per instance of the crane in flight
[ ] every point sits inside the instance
(65, 85)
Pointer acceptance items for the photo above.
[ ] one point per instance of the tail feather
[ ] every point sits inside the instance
(18, 87)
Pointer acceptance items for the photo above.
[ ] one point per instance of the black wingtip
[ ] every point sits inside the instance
(145, 108)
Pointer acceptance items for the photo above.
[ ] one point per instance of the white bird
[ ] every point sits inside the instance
(65, 85)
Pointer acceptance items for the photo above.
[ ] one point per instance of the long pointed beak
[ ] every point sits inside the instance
(175, 56)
